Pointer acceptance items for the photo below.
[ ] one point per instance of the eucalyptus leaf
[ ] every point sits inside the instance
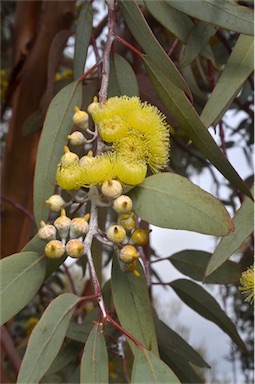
(148, 368)
(171, 201)
(193, 263)
(46, 338)
(122, 80)
(244, 226)
(21, 278)
(133, 306)
(57, 125)
(82, 38)
(67, 354)
(226, 14)
(205, 305)
(94, 362)
(238, 67)
(183, 111)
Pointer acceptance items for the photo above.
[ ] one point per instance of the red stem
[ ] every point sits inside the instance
(19, 207)
(131, 47)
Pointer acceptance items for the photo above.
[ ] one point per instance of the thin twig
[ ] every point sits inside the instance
(19, 207)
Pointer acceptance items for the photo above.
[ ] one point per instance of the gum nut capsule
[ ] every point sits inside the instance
(76, 138)
(63, 223)
(116, 234)
(123, 204)
(127, 220)
(79, 226)
(54, 249)
(75, 248)
(47, 232)
(111, 189)
(55, 203)
(128, 254)
(81, 118)
(140, 236)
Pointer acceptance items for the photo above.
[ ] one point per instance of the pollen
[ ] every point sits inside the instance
(100, 169)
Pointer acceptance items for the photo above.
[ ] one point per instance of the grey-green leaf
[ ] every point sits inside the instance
(82, 38)
(94, 362)
(21, 277)
(46, 338)
(122, 80)
(57, 125)
(148, 368)
(171, 201)
(205, 305)
(193, 263)
(183, 111)
(132, 303)
(244, 226)
(238, 67)
(226, 14)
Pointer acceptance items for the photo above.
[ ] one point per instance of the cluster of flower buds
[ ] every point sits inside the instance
(70, 232)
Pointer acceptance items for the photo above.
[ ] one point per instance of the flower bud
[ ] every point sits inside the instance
(76, 138)
(62, 223)
(68, 157)
(128, 254)
(140, 236)
(116, 234)
(128, 268)
(55, 203)
(87, 160)
(111, 189)
(127, 221)
(123, 204)
(75, 248)
(81, 118)
(79, 226)
(93, 107)
(47, 232)
(54, 249)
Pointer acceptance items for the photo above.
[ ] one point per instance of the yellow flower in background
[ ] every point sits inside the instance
(247, 284)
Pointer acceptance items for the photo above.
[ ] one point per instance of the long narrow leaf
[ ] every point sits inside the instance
(21, 278)
(46, 339)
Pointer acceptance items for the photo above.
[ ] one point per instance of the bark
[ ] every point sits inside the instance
(33, 38)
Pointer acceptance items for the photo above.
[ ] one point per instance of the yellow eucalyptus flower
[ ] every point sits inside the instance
(113, 129)
(130, 172)
(69, 171)
(247, 284)
(100, 169)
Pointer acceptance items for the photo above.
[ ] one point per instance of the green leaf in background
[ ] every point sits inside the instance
(196, 42)
(57, 125)
(205, 305)
(187, 117)
(33, 123)
(133, 306)
(144, 36)
(244, 226)
(193, 263)
(122, 79)
(148, 368)
(46, 338)
(94, 362)
(223, 13)
(82, 39)
(238, 67)
(178, 354)
(171, 201)
(21, 278)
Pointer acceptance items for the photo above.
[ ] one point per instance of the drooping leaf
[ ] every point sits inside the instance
(94, 362)
(144, 36)
(205, 305)
(148, 368)
(82, 39)
(21, 277)
(67, 354)
(197, 40)
(133, 307)
(57, 125)
(171, 201)
(193, 263)
(223, 13)
(122, 80)
(46, 338)
(244, 226)
(238, 67)
(183, 111)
